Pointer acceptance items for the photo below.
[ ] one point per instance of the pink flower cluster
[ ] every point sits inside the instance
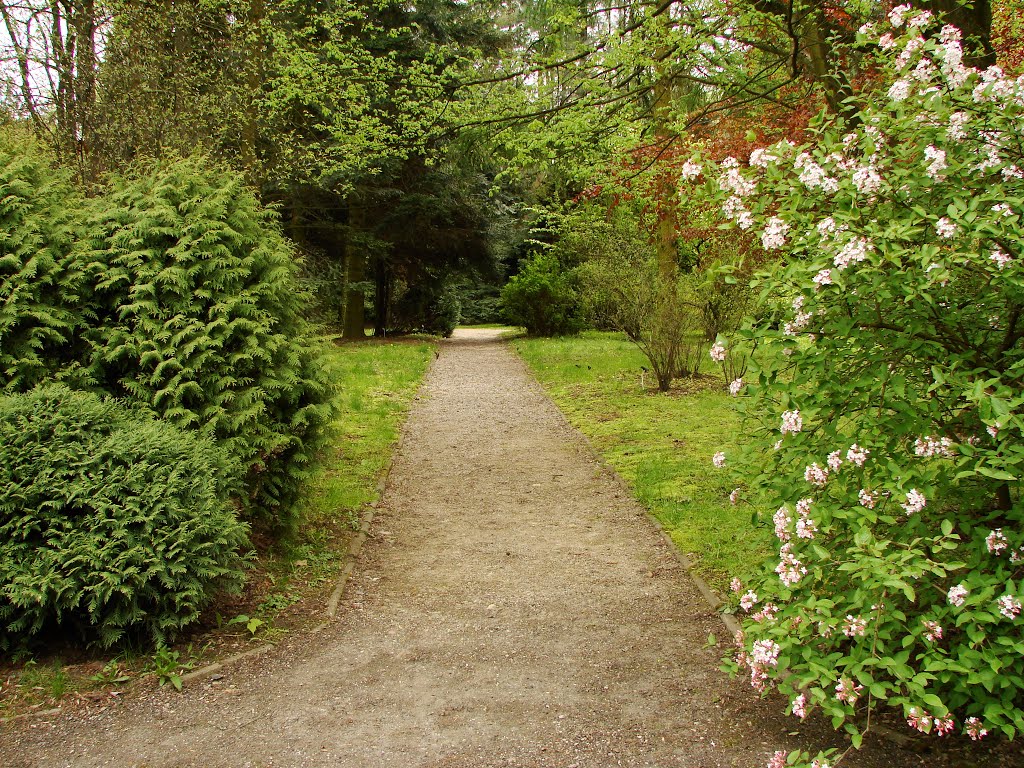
(782, 521)
(690, 170)
(718, 460)
(767, 613)
(764, 655)
(1009, 606)
(854, 626)
(848, 691)
(791, 422)
(915, 502)
(957, 595)
(816, 475)
(717, 352)
(1000, 259)
(919, 719)
(857, 455)
(749, 600)
(996, 542)
(789, 569)
(972, 727)
(932, 445)
(937, 164)
(774, 235)
(932, 630)
(866, 499)
(813, 176)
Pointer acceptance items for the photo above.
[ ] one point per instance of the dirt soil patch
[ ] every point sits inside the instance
(513, 607)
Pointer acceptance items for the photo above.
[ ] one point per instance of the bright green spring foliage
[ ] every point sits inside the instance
(110, 522)
(40, 283)
(543, 298)
(198, 317)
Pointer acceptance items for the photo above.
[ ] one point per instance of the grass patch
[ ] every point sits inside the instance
(288, 586)
(661, 444)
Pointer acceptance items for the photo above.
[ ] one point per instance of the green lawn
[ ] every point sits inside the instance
(661, 444)
(377, 382)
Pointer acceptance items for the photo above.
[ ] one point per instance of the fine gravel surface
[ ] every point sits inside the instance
(512, 607)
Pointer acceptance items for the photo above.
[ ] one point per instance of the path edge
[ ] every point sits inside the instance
(354, 548)
(713, 600)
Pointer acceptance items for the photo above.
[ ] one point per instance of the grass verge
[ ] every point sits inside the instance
(288, 586)
(660, 443)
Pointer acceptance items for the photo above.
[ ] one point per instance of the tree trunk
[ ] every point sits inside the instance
(355, 273)
(83, 23)
(381, 298)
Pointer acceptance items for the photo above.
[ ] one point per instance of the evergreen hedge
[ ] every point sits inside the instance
(175, 290)
(41, 280)
(111, 522)
(198, 316)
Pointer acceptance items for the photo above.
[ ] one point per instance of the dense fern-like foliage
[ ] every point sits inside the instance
(110, 522)
(199, 318)
(41, 281)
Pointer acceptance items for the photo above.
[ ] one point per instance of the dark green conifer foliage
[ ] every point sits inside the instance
(41, 282)
(111, 522)
(199, 318)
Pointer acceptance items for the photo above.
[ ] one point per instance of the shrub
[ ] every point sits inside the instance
(110, 523)
(428, 305)
(892, 395)
(41, 280)
(445, 312)
(543, 298)
(197, 316)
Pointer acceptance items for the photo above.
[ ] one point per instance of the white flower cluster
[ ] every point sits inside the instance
(789, 569)
(857, 455)
(867, 180)
(735, 210)
(774, 235)
(931, 445)
(996, 542)
(915, 502)
(690, 170)
(733, 180)
(957, 595)
(791, 421)
(854, 626)
(1009, 606)
(1000, 259)
(855, 251)
(813, 176)
(945, 228)
(937, 162)
(816, 475)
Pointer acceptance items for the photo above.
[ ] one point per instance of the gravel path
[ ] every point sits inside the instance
(512, 608)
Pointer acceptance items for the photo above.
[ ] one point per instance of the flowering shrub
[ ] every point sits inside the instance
(889, 400)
